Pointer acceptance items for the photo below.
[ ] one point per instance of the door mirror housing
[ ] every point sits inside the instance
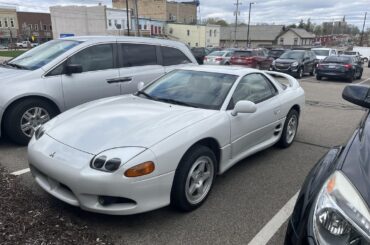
(140, 86)
(73, 69)
(357, 94)
(244, 106)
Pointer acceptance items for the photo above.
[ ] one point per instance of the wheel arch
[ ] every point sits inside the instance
(297, 108)
(16, 101)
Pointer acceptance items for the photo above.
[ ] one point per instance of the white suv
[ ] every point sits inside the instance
(64, 73)
(322, 53)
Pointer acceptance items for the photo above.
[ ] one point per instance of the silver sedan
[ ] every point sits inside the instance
(167, 143)
(218, 58)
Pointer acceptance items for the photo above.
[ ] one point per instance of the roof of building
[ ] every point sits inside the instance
(302, 33)
(256, 32)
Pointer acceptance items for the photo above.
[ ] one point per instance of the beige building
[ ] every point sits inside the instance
(177, 12)
(296, 37)
(78, 20)
(8, 25)
(195, 35)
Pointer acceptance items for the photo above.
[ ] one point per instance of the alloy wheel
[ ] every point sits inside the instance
(199, 180)
(291, 129)
(32, 119)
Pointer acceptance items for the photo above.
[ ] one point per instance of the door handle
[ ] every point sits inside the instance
(119, 80)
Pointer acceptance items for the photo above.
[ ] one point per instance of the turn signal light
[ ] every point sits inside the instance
(140, 170)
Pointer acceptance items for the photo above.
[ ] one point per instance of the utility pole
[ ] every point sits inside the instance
(249, 21)
(137, 18)
(128, 19)
(363, 29)
(236, 20)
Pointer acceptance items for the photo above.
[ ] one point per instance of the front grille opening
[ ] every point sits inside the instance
(109, 200)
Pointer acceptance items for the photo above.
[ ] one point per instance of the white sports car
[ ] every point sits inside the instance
(165, 144)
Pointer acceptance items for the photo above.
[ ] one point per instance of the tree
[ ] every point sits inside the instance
(215, 21)
(301, 24)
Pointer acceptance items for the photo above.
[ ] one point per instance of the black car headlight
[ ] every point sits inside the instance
(341, 216)
(111, 160)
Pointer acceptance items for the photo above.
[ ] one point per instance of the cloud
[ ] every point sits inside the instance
(263, 11)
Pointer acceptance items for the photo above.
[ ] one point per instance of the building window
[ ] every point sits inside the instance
(188, 32)
(110, 22)
(36, 27)
(51, 28)
(1, 24)
(296, 41)
(214, 33)
(196, 44)
(160, 30)
(281, 40)
(11, 22)
(45, 28)
(210, 33)
(30, 27)
(139, 27)
(5, 22)
(145, 27)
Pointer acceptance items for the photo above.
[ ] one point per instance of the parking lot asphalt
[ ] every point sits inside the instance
(246, 197)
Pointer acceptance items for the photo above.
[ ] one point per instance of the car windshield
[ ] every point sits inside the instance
(292, 55)
(217, 53)
(276, 53)
(43, 54)
(321, 52)
(243, 53)
(338, 59)
(350, 53)
(200, 89)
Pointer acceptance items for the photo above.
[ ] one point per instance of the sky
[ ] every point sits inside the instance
(263, 11)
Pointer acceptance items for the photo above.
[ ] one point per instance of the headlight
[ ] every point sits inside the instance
(111, 160)
(341, 216)
(295, 63)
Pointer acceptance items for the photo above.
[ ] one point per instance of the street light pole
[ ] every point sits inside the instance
(249, 21)
(128, 19)
(236, 20)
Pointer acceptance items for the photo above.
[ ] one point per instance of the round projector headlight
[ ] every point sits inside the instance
(341, 216)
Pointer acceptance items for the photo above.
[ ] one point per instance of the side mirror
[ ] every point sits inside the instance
(244, 106)
(357, 94)
(73, 68)
(140, 86)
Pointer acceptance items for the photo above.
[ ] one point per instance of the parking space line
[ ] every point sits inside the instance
(364, 81)
(269, 230)
(20, 172)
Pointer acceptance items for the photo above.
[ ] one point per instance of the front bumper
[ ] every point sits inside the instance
(290, 70)
(1, 118)
(65, 173)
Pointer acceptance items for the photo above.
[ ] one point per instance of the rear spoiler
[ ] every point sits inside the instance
(292, 81)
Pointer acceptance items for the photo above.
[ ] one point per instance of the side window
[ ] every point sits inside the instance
(253, 87)
(229, 54)
(173, 56)
(138, 55)
(94, 58)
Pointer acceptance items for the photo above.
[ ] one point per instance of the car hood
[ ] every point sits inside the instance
(121, 121)
(356, 165)
(6, 73)
(286, 61)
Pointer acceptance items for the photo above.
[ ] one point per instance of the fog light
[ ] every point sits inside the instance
(140, 170)
(333, 222)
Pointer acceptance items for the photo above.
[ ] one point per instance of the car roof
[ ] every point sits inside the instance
(231, 70)
(123, 39)
(321, 49)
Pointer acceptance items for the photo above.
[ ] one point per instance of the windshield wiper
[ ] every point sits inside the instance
(176, 102)
(17, 66)
(146, 95)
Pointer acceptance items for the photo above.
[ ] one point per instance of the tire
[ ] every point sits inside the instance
(181, 197)
(360, 75)
(318, 77)
(227, 64)
(41, 112)
(351, 78)
(313, 72)
(300, 73)
(287, 136)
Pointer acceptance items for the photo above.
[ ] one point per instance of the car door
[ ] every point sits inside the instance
(138, 63)
(98, 69)
(172, 58)
(251, 129)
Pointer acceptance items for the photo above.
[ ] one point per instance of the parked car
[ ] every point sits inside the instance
(344, 66)
(218, 58)
(26, 44)
(364, 59)
(333, 204)
(199, 54)
(166, 144)
(64, 73)
(296, 63)
(276, 52)
(252, 58)
(322, 53)
(3, 47)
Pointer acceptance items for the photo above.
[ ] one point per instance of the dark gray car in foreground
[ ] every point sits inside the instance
(333, 205)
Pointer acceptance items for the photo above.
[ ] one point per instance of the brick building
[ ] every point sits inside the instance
(177, 12)
(35, 27)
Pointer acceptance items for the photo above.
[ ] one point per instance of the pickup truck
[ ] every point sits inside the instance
(26, 44)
